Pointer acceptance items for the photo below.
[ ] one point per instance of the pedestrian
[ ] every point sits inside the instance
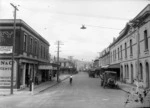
(36, 80)
(50, 77)
(27, 80)
(70, 79)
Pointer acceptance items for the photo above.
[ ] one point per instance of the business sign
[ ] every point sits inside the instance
(6, 41)
(45, 67)
(5, 73)
(5, 49)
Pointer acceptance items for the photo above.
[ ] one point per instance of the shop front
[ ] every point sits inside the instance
(26, 71)
(45, 72)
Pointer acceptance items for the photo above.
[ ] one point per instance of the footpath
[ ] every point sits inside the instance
(127, 88)
(39, 88)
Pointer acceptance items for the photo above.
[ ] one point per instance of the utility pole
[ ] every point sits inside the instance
(13, 47)
(58, 67)
(71, 64)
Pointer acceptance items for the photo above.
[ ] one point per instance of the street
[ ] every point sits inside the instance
(84, 92)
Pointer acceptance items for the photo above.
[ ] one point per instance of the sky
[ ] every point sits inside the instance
(60, 20)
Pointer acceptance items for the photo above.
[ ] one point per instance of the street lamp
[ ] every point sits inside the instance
(13, 47)
(83, 27)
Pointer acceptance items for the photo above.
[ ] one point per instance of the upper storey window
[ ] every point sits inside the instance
(131, 49)
(121, 51)
(25, 42)
(31, 44)
(146, 39)
(125, 45)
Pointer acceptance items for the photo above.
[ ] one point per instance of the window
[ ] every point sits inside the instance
(111, 57)
(131, 52)
(121, 51)
(141, 72)
(25, 42)
(44, 52)
(131, 73)
(118, 53)
(146, 40)
(127, 71)
(147, 75)
(115, 54)
(41, 51)
(125, 46)
(31, 44)
(35, 47)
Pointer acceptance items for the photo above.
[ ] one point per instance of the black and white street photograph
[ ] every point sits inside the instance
(74, 53)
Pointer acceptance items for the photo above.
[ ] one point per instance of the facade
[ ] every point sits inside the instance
(104, 58)
(31, 50)
(96, 63)
(64, 65)
(130, 51)
(67, 66)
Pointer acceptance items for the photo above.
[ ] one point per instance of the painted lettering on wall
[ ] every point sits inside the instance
(6, 38)
(5, 73)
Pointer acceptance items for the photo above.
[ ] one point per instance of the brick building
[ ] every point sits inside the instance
(31, 50)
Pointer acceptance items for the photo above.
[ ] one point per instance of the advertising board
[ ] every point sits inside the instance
(5, 73)
(6, 39)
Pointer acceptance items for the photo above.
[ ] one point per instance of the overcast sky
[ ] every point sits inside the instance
(61, 20)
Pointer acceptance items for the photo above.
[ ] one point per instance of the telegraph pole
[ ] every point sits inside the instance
(71, 63)
(13, 47)
(58, 67)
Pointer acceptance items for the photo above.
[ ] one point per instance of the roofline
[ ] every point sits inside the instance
(138, 15)
(20, 21)
(126, 27)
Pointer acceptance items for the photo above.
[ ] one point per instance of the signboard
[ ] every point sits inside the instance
(5, 49)
(45, 67)
(5, 73)
(6, 39)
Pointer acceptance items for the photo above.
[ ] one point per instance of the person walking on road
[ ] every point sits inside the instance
(70, 79)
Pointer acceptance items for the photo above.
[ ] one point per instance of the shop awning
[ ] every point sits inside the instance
(45, 67)
(113, 66)
(106, 66)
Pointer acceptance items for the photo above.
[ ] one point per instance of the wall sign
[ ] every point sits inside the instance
(5, 73)
(5, 49)
(6, 39)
